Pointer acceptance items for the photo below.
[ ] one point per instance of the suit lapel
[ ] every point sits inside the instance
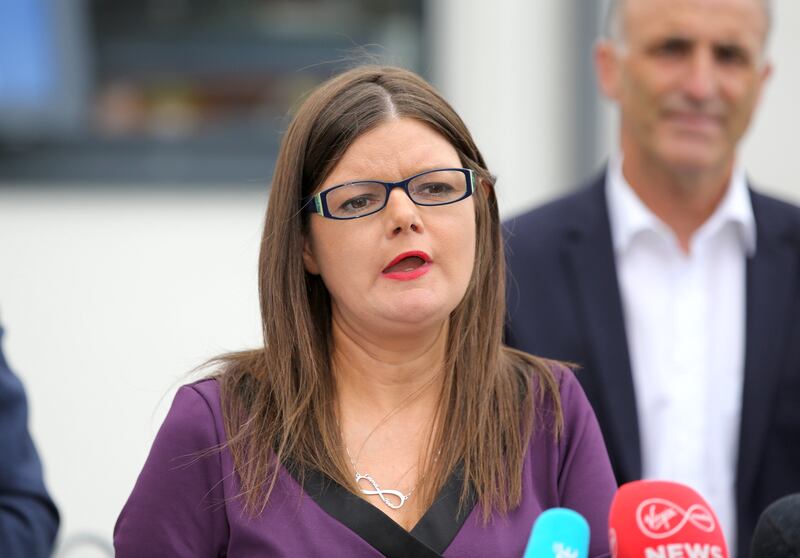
(770, 307)
(592, 267)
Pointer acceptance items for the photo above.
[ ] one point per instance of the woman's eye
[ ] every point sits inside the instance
(355, 203)
(435, 188)
(358, 204)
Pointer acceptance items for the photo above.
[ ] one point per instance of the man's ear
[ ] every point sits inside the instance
(765, 74)
(309, 261)
(606, 61)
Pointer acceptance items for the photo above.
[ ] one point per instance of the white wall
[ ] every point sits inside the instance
(501, 65)
(108, 299)
(770, 150)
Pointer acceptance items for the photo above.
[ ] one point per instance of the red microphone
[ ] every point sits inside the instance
(660, 519)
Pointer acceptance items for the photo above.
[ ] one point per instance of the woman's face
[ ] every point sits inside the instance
(358, 259)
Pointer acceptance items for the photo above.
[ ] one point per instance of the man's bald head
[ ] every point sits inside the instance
(615, 19)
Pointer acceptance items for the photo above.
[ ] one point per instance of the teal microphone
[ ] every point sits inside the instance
(559, 533)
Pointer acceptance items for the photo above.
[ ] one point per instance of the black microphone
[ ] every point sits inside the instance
(777, 533)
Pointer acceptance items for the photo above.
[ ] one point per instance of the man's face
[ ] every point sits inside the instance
(687, 78)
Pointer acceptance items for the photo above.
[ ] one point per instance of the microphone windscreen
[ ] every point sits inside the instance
(777, 533)
(661, 519)
(559, 533)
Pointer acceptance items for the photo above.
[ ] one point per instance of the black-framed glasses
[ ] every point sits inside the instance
(365, 197)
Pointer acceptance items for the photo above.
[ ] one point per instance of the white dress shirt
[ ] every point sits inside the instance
(685, 324)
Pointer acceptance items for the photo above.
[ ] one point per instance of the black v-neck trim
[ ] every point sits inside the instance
(443, 520)
(428, 539)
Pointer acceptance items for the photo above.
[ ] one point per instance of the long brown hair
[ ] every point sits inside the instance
(279, 400)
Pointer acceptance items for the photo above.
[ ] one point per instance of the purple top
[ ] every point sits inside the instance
(184, 504)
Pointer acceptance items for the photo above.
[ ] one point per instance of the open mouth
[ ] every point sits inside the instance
(408, 266)
(409, 263)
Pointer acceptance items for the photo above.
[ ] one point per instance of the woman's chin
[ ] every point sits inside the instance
(414, 314)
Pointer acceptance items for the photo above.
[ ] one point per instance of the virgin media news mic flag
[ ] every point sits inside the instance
(660, 519)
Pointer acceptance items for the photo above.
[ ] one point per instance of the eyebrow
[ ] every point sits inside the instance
(420, 170)
(677, 39)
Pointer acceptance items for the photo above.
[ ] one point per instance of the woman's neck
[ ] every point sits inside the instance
(388, 390)
(376, 376)
(386, 374)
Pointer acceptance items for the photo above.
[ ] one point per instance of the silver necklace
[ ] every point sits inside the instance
(383, 494)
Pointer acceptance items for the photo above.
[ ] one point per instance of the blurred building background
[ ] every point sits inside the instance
(137, 141)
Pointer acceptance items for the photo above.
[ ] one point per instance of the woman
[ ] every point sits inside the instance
(383, 416)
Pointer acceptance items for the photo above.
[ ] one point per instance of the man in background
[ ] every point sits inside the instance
(28, 517)
(673, 285)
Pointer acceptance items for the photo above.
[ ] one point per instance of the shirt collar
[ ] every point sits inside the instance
(629, 216)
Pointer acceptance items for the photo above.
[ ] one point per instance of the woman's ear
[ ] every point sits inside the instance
(488, 187)
(309, 261)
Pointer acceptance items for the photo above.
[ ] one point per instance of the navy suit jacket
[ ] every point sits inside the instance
(28, 517)
(564, 303)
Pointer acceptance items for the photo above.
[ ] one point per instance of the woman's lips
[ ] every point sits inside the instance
(408, 266)
(408, 275)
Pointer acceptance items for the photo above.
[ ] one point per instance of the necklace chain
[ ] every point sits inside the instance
(384, 494)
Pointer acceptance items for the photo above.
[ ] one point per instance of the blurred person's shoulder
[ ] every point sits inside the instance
(545, 225)
(775, 213)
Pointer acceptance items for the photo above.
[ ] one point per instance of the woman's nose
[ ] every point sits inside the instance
(401, 213)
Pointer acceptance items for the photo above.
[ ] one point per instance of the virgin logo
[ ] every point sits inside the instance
(659, 518)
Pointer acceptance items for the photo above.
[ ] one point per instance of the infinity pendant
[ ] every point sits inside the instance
(382, 494)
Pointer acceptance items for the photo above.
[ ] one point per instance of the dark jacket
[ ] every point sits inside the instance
(564, 303)
(28, 517)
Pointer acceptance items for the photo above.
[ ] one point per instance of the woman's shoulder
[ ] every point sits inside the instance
(569, 388)
(570, 469)
(178, 502)
(550, 380)
(560, 404)
(572, 404)
(195, 417)
(206, 389)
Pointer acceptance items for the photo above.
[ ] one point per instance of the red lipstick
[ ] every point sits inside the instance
(408, 266)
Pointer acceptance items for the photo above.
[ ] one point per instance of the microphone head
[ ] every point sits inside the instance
(660, 519)
(777, 533)
(559, 533)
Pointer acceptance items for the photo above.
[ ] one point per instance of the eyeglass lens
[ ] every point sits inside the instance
(362, 198)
